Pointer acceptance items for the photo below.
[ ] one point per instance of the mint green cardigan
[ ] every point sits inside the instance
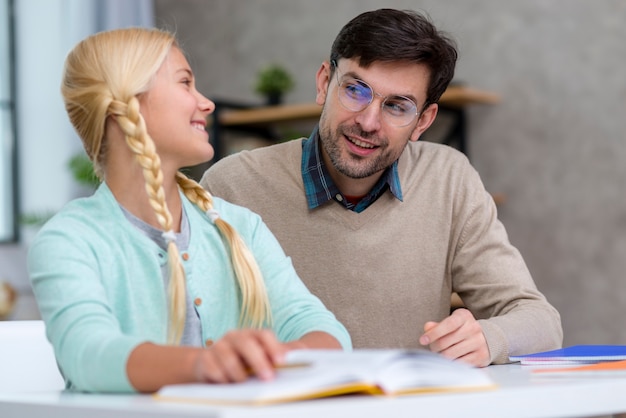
(98, 284)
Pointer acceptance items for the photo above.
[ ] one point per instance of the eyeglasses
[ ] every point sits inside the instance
(355, 95)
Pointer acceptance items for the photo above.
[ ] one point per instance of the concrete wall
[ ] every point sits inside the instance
(555, 146)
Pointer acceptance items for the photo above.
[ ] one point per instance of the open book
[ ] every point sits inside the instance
(323, 373)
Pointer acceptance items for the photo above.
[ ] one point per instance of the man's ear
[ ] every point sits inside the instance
(322, 79)
(426, 118)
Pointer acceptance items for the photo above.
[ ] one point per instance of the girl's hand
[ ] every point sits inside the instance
(238, 355)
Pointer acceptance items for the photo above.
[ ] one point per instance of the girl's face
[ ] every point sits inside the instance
(175, 114)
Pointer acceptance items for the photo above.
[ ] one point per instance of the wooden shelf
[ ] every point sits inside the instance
(257, 119)
(270, 114)
(460, 96)
(454, 96)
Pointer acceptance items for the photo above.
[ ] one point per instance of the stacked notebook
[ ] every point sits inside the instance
(584, 360)
(576, 354)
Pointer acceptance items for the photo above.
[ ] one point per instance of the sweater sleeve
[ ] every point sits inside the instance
(90, 349)
(494, 282)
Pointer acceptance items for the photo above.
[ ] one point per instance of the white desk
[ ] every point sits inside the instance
(518, 396)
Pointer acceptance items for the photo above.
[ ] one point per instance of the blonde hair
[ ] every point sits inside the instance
(103, 77)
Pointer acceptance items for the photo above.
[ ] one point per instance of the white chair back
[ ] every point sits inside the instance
(27, 362)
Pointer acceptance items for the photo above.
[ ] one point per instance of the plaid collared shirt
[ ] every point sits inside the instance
(319, 186)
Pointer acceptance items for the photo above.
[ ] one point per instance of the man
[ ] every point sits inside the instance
(384, 228)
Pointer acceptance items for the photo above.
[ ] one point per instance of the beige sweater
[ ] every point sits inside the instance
(386, 271)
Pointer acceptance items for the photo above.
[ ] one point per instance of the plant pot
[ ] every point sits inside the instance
(273, 99)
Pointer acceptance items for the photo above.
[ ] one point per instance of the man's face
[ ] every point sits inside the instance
(362, 144)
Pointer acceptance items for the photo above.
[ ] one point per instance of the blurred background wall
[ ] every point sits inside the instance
(555, 145)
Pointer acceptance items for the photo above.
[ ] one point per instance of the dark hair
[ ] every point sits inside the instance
(399, 35)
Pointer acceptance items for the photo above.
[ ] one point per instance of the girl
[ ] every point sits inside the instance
(152, 281)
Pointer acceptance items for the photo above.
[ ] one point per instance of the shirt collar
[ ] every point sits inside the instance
(319, 187)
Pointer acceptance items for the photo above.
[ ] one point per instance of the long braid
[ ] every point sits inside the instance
(255, 307)
(137, 138)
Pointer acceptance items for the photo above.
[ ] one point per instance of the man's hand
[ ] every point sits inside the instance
(458, 337)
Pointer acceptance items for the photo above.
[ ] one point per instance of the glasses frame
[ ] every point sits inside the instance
(386, 115)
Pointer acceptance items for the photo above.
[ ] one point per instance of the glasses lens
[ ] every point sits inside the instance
(399, 110)
(355, 95)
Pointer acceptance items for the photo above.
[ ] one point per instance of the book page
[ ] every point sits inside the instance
(317, 372)
(423, 371)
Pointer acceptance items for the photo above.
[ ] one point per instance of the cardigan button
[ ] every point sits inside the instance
(197, 301)
(208, 342)
(185, 256)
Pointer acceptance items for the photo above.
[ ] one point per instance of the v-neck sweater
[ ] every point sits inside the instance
(386, 271)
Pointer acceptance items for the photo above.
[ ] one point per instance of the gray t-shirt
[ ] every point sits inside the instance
(192, 335)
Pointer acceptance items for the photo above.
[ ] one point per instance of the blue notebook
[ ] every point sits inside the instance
(576, 354)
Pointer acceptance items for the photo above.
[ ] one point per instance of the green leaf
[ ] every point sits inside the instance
(273, 79)
(82, 170)
(36, 219)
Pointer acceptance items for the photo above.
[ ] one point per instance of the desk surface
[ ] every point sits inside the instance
(454, 96)
(519, 395)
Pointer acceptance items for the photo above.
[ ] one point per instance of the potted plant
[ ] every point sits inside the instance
(273, 82)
